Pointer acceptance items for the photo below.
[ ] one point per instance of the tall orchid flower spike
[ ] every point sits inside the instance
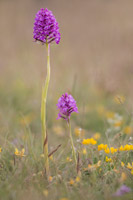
(67, 105)
(46, 30)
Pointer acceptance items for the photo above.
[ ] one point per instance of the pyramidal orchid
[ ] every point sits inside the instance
(46, 30)
(66, 106)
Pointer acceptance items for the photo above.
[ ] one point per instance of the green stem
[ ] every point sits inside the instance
(43, 112)
(72, 144)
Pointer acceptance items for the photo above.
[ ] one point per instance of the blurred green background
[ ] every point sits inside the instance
(93, 60)
(95, 49)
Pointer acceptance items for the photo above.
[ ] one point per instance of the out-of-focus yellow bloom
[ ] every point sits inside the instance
(45, 192)
(77, 179)
(95, 166)
(58, 130)
(121, 148)
(50, 178)
(64, 198)
(107, 150)
(131, 147)
(122, 164)
(113, 150)
(110, 115)
(130, 166)
(92, 141)
(118, 123)
(68, 159)
(119, 99)
(127, 147)
(0, 149)
(79, 132)
(123, 177)
(97, 136)
(84, 151)
(127, 130)
(89, 141)
(71, 182)
(19, 153)
(108, 159)
(102, 147)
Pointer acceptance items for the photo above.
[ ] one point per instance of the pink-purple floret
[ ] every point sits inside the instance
(122, 190)
(66, 105)
(46, 27)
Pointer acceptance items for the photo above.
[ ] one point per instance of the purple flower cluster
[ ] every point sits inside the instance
(122, 190)
(66, 105)
(46, 27)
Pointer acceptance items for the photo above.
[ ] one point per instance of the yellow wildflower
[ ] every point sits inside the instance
(127, 147)
(131, 147)
(0, 150)
(108, 159)
(50, 178)
(92, 141)
(122, 164)
(113, 150)
(19, 153)
(71, 182)
(64, 198)
(102, 147)
(97, 136)
(86, 141)
(69, 159)
(95, 166)
(84, 151)
(89, 141)
(110, 115)
(127, 130)
(119, 99)
(121, 148)
(79, 132)
(77, 179)
(130, 166)
(118, 123)
(107, 150)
